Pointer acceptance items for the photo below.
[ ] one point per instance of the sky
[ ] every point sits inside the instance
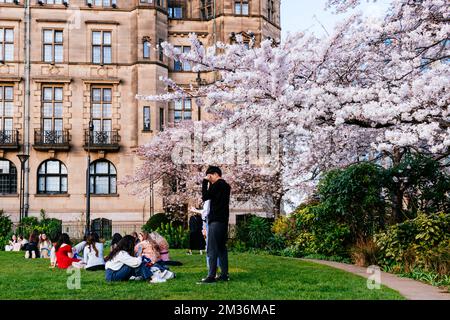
(310, 15)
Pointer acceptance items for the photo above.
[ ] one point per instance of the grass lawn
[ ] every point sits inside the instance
(252, 277)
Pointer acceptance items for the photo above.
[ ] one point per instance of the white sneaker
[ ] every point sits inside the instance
(33, 254)
(27, 254)
(133, 278)
(169, 275)
(157, 279)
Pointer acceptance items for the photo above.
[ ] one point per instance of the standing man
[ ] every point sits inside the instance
(216, 190)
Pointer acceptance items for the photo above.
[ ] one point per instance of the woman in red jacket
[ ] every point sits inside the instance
(64, 254)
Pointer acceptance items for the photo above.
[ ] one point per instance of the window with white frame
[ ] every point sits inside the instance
(53, 46)
(101, 47)
(146, 49)
(241, 7)
(6, 44)
(54, 1)
(6, 108)
(102, 3)
(146, 118)
(182, 110)
(178, 65)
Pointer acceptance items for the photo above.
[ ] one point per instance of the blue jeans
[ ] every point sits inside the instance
(159, 264)
(124, 273)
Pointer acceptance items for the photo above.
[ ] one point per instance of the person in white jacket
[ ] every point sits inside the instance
(121, 265)
(93, 253)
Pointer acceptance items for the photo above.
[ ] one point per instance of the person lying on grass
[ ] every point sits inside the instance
(121, 265)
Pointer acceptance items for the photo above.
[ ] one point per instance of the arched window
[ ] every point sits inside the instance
(103, 177)
(52, 177)
(146, 45)
(8, 177)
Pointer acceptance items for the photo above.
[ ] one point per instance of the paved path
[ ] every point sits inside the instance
(410, 289)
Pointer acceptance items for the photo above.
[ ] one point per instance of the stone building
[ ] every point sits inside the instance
(88, 59)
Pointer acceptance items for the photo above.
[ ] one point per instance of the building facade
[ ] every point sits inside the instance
(66, 64)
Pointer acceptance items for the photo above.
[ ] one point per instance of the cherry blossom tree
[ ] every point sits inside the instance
(179, 156)
(372, 87)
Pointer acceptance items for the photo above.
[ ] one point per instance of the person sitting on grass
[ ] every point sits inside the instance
(148, 249)
(121, 265)
(136, 237)
(44, 246)
(11, 244)
(32, 250)
(163, 246)
(64, 254)
(53, 251)
(93, 253)
(79, 248)
(115, 240)
(23, 242)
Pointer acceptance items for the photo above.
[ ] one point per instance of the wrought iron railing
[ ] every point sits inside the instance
(9, 138)
(101, 138)
(51, 138)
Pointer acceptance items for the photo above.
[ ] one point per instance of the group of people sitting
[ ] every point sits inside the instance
(37, 245)
(143, 256)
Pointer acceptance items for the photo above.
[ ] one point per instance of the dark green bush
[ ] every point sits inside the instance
(353, 197)
(50, 226)
(5, 224)
(422, 181)
(155, 222)
(177, 237)
(5, 229)
(258, 232)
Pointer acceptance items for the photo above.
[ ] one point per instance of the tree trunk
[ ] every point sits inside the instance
(397, 199)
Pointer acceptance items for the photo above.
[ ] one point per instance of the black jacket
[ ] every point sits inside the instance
(219, 194)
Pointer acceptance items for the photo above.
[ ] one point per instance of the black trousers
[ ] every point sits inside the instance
(96, 268)
(32, 246)
(217, 248)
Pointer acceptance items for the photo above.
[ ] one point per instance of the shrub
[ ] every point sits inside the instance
(320, 236)
(155, 222)
(258, 232)
(353, 197)
(28, 225)
(365, 253)
(237, 245)
(241, 230)
(5, 224)
(276, 243)
(50, 226)
(177, 237)
(419, 242)
(285, 228)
